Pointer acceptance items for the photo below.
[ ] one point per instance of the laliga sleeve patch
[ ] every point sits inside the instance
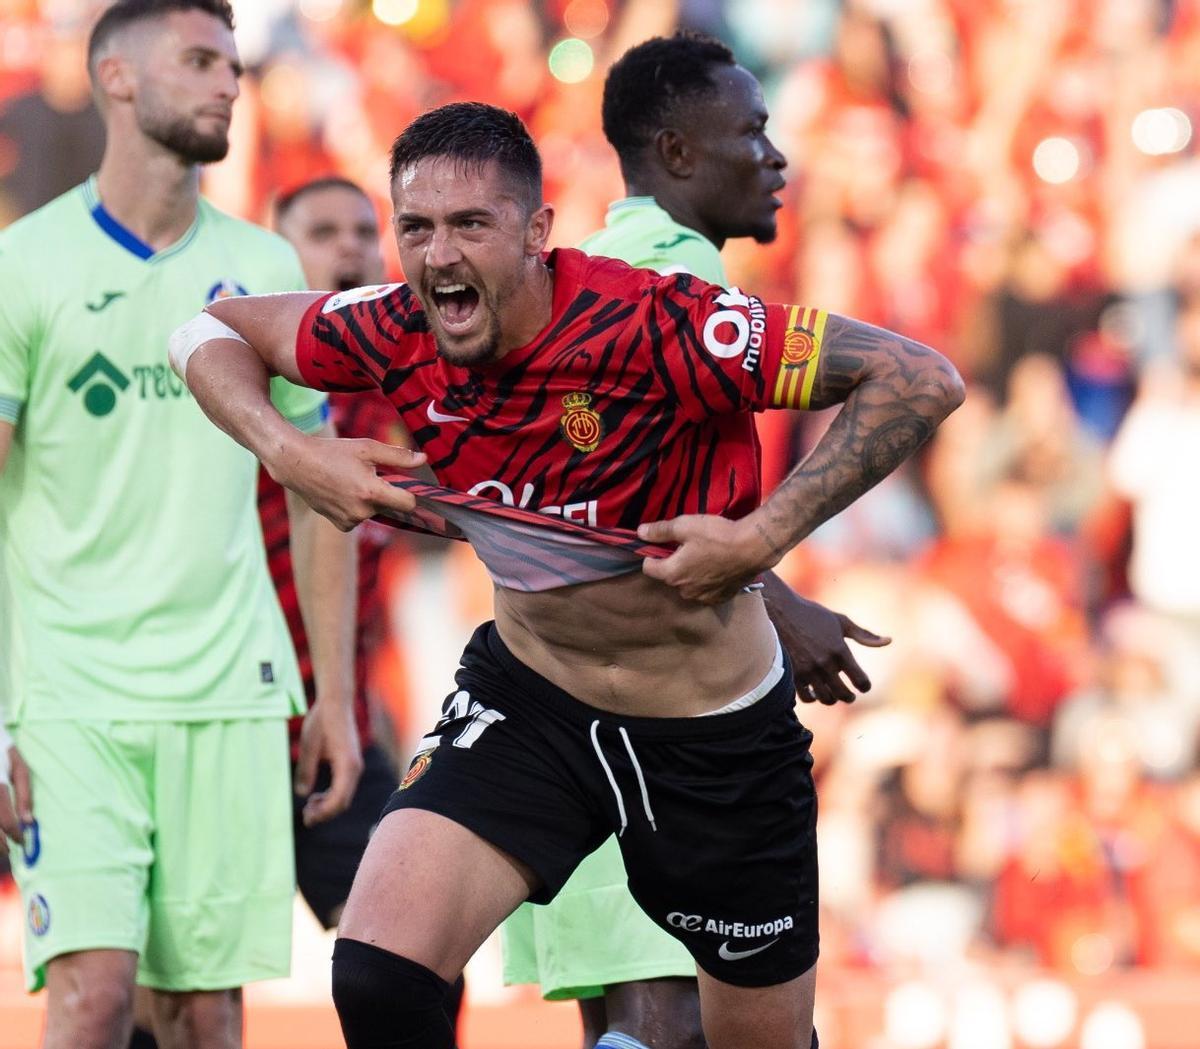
(355, 295)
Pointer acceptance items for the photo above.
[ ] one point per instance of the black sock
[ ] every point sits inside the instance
(385, 1001)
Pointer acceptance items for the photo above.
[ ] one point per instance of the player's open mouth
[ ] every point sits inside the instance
(456, 304)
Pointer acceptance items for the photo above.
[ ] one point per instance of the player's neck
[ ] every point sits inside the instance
(530, 310)
(675, 204)
(149, 191)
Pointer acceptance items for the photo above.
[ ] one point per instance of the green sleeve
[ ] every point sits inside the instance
(18, 333)
(305, 409)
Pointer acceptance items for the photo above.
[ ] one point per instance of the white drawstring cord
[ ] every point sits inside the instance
(641, 780)
(612, 782)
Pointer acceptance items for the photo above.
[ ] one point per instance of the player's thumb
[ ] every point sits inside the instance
(657, 532)
(22, 785)
(306, 766)
(394, 457)
(862, 635)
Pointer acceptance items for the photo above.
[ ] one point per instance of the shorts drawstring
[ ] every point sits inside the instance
(641, 779)
(612, 780)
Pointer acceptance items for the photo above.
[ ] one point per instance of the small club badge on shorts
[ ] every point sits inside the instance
(581, 424)
(418, 768)
(39, 915)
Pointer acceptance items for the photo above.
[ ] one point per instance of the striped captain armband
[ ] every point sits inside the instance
(799, 357)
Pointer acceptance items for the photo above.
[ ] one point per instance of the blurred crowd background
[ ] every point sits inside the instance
(1014, 182)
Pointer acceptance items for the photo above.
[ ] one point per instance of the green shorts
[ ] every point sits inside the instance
(590, 935)
(169, 839)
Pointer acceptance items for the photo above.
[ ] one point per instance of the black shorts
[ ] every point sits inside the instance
(328, 854)
(716, 816)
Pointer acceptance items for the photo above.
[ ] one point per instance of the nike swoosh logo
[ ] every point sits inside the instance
(737, 956)
(109, 298)
(437, 417)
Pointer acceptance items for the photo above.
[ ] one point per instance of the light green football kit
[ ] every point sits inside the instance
(145, 666)
(593, 934)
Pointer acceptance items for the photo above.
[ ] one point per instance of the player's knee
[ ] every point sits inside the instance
(385, 1001)
(200, 1018)
(96, 1007)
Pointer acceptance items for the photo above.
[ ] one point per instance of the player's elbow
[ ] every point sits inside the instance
(941, 383)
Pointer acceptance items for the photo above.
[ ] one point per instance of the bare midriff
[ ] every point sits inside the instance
(633, 646)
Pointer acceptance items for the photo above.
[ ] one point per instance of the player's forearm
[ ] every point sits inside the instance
(895, 392)
(231, 383)
(325, 568)
(6, 437)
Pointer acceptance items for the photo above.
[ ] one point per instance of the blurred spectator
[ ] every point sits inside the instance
(51, 137)
(1038, 437)
(1151, 466)
(1016, 183)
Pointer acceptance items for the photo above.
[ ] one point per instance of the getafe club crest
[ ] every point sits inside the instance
(225, 288)
(581, 424)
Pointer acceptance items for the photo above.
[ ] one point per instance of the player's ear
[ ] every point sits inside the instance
(115, 78)
(674, 152)
(537, 229)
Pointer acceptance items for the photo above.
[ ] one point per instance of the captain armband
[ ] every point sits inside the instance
(188, 338)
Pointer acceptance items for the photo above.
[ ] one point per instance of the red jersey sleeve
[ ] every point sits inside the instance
(721, 351)
(348, 340)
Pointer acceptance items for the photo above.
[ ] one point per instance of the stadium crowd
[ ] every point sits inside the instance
(1012, 182)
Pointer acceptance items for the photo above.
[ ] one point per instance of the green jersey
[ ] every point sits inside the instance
(133, 580)
(639, 232)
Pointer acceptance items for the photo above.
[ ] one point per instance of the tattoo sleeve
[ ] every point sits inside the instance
(894, 394)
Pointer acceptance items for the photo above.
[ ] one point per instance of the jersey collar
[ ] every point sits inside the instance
(124, 236)
(621, 207)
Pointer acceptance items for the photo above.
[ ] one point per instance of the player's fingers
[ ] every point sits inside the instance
(808, 691)
(832, 688)
(390, 498)
(853, 632)
(22, 785)
(858, 677)
(658, 568)
(314, 810)
(306, 764)
(10, 824)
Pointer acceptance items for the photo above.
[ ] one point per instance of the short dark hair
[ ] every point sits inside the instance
(645, 86)
(473, 133)
(288, 200)
(126, 12)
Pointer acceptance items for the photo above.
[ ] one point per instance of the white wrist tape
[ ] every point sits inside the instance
(188, 338)
(5, 743)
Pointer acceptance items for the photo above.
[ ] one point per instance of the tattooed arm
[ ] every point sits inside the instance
(894, 394)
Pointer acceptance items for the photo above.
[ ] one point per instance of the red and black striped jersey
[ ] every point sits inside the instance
(355, 415)
(632, 404)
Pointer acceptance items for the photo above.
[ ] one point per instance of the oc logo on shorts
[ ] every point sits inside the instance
(686, 922)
